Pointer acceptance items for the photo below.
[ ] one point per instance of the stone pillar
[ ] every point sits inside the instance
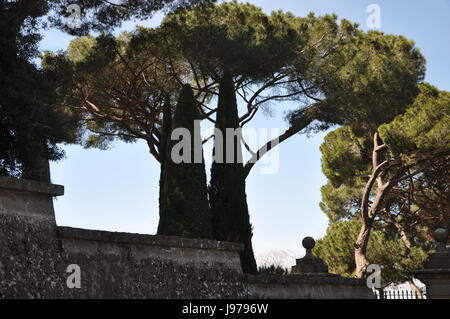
(30, 259)
(309, 263)
(436, 272)
(309, 280)
(28, 199)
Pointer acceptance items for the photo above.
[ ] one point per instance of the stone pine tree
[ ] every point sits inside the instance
(231, 220)
(184, 207)
(337, 73)
(31, 126)
(396, 183)
(337, 246)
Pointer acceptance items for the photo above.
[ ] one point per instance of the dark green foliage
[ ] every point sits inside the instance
(345, 163)
(387, 250)
(231, 220)
(413, 208)
(31, 125)
(364, 80)
(237, 36)
(184, 208)
(340, 203)
(121, 89)
(424, 126)
(272, 270)
(166, 131)
(344, 156)
(419, 137)
(100, 15)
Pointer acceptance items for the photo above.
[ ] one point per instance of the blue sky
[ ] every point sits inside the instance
(117, 189)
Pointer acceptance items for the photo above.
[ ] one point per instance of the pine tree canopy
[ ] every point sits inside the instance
(416, 151)
(385, 249)
(31, 121)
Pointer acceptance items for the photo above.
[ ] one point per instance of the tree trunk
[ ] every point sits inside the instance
(369, 210)
(415, 289)
(361, 244)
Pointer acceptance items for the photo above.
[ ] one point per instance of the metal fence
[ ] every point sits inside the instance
(399, 294)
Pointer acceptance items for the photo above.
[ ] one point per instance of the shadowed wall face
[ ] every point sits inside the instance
(35, 256)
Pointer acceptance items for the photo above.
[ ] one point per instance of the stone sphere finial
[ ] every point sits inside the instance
(441, 235)
(308, 243)
(309, 263)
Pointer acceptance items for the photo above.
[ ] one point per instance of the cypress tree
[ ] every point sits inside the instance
(184, 207)
(231, 220)
(166, 130)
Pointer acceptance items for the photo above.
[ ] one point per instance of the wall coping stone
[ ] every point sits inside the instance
(31, 186)
(147, 240)
(437, 271)
(306, 278)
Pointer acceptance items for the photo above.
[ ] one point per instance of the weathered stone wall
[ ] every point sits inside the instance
(35, 254)
(30, 259)
(143, 266)
(306, 286)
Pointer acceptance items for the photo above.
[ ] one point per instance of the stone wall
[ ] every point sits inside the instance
(143, 266)
(306, 286)
(35, 254)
